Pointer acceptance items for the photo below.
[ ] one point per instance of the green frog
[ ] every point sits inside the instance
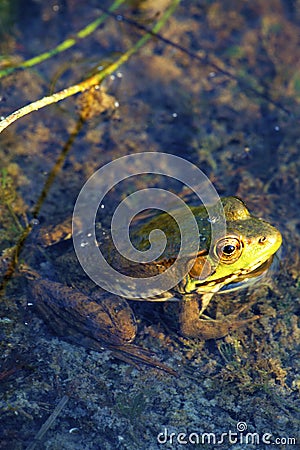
(99, 319)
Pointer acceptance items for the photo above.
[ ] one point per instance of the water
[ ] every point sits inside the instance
(230, 105)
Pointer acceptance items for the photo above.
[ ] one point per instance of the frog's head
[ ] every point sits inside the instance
(249, 242)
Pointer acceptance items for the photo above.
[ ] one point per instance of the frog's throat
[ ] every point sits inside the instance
(214, 286)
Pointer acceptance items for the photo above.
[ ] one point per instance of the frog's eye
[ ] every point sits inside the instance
(228, 249)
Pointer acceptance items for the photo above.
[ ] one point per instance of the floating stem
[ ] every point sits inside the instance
(65, 45)
(91, 81)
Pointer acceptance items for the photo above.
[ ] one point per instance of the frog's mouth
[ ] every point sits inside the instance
(248, 279)
(239, 280)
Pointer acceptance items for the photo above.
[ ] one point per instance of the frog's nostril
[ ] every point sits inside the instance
(262, 239)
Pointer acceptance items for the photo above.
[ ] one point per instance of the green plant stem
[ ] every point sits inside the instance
(65, 45)
(92, 81)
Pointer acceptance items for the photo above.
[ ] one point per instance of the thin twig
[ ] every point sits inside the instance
(46, 425)
(204, 60)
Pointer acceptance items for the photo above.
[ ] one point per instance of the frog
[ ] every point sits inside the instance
(98, 319)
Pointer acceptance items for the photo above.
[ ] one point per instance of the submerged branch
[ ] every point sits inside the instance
(49, 422)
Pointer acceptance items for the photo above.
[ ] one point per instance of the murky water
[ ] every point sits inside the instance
(220, 88)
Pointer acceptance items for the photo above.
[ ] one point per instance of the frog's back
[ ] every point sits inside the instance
(168, 225)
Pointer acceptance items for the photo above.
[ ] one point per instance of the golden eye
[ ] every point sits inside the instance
(228, 249)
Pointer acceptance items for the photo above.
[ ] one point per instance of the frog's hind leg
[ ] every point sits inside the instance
(108, 319)
(100, 322)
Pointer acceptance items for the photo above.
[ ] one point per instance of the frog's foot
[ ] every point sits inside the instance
(129, 353)
(207, 328)
(136, 356)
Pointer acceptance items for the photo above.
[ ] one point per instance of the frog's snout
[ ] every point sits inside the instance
(272, 241)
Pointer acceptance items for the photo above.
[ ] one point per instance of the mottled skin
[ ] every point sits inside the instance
(103, 318)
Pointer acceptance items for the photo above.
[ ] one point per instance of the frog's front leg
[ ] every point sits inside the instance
(191, 325)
